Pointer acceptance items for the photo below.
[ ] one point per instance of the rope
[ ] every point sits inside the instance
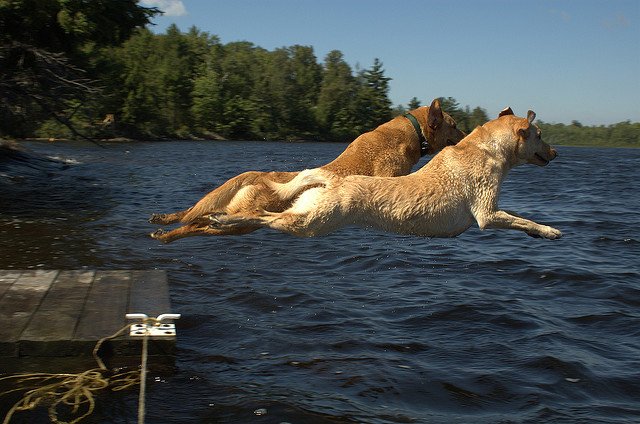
(76, 391)
(143, 379)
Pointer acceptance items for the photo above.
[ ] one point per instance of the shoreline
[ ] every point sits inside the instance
(162, 140)
(16, 142)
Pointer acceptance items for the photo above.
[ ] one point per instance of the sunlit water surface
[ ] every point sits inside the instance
(359, 326)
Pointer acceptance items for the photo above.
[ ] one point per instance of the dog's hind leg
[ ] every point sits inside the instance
(167, 218)
(302, 181)
(191, 230)
(286, 222)
(216, 200)
(238, 193)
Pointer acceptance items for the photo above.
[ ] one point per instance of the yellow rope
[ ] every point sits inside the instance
(75, 391)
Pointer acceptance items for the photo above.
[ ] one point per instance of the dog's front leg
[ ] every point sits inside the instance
(502, 219)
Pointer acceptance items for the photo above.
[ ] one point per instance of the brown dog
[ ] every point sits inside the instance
(458, 187)
(392, 149)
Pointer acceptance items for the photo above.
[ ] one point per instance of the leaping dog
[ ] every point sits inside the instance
(458, 186)
(390, 150)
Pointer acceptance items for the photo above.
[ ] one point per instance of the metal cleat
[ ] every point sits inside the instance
(154, 327)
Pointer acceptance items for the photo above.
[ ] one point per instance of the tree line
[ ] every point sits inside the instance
(622, 134)
(70, 68)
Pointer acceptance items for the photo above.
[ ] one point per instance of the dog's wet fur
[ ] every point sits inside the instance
(457, 187)
(390, 150)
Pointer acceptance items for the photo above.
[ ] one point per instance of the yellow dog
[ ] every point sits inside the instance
(459, 186)
(390, 150)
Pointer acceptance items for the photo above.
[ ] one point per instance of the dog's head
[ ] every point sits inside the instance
(441, 130)
(529, 147)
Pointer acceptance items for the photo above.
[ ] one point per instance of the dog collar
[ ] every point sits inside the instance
(424, 144)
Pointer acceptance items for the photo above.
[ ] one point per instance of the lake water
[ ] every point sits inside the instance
(359, 326)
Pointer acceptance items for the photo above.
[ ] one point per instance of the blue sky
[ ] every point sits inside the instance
(565, 59)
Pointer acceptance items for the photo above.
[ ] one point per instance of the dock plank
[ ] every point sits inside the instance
(149, 293)
(109, 292)
(19, 302)
(7, 278)
(52, 325)
(53, 315)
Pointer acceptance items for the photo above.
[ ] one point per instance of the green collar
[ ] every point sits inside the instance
(424, 144)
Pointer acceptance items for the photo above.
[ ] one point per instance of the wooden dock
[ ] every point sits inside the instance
(63, 314)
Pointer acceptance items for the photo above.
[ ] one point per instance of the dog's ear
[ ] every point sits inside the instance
(522, 129)
(523, 133)
(435, 117)
(505, 111)
(531, 116)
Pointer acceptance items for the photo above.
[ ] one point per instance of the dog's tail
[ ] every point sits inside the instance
(302, 181)
(218, 198)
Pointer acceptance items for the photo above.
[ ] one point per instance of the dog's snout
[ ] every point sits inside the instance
(554, 153)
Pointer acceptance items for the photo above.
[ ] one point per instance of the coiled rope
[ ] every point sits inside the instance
(77, 391)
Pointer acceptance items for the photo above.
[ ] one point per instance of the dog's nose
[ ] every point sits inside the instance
(554, 153)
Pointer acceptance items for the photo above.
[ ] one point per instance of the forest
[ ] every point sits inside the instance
(95, 70)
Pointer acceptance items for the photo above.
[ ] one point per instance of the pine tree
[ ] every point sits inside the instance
(334, 111)
(306, 76)
(373, 106)
(478, 117)
(414, 103)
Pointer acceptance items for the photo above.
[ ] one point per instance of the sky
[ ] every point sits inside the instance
(565, 59)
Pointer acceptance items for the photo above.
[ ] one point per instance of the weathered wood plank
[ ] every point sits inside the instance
(19, 303)
(105, 307)
(149, 293)
(7, 278)
(54, 314)
(54, 322)
(58, 314)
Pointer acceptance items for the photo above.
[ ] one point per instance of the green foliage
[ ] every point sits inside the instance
(47, 56)
(190, 83)
(68, 26)
(53, 129)
(623, 134)
(54, 54)
(334, 110)
(466, 119)
(372, 104)
(207, 104)
(414, 103)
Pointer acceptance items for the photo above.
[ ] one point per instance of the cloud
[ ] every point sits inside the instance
(169, 7)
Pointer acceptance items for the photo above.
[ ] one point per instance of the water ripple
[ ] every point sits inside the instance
(359, 326)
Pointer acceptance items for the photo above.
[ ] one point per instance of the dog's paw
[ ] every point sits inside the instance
(157, 218)
(545, 231)
(157, 233)
(550, 233)
(216, 219)
(553, 233)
